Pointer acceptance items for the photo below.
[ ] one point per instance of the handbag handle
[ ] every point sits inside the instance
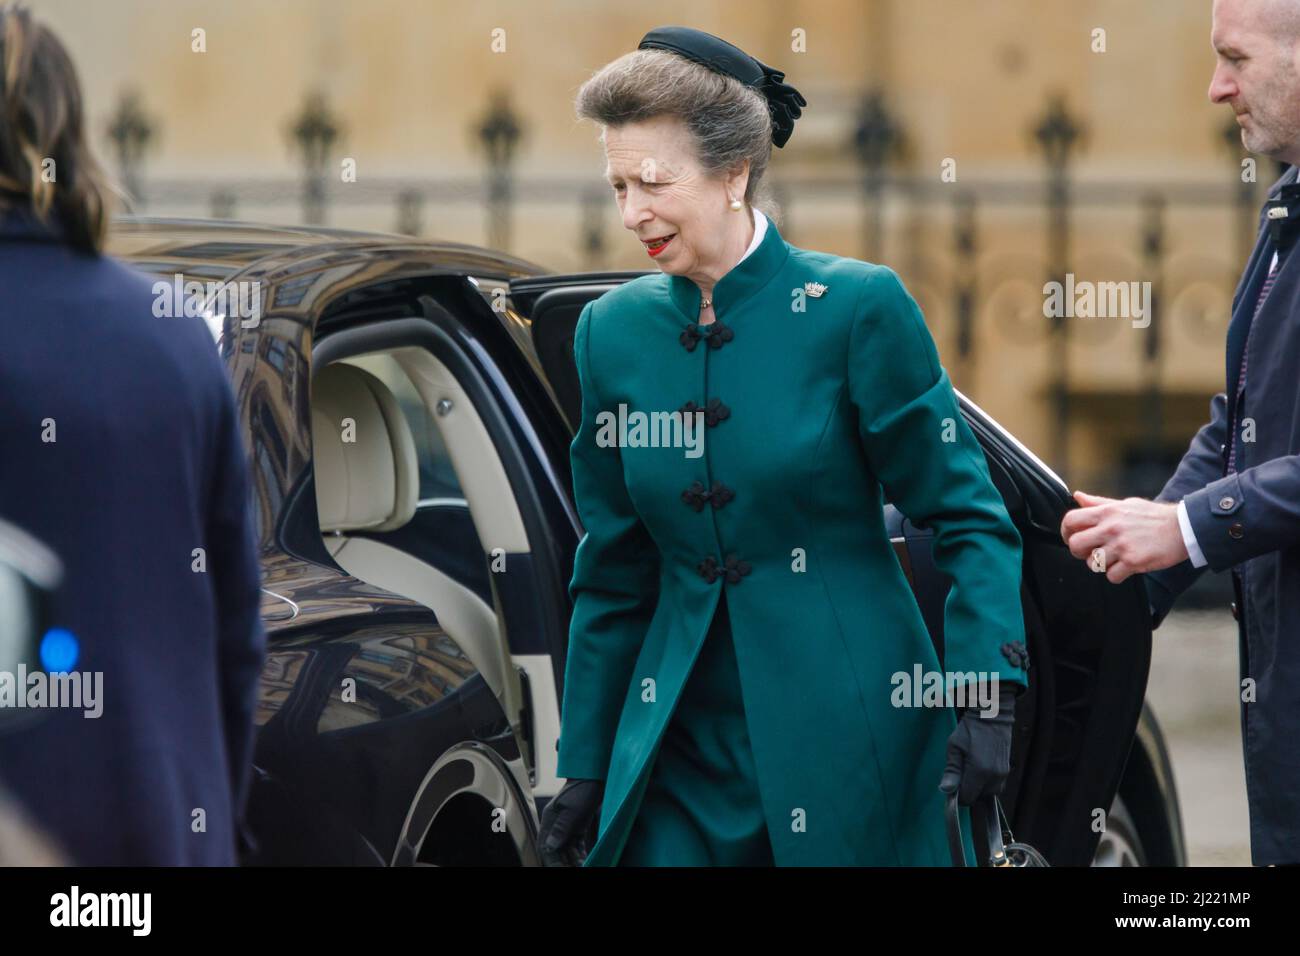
(994, 821)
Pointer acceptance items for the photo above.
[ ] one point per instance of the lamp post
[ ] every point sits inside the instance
(410, 212)
(594, 204)
(131, 132)
(876, 139)
(314, 133)
(1153, 248)
(1057, 134)
(223, 204)
(966, 278)
(499, 134)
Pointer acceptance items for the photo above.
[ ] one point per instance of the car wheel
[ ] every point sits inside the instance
(1120, 844)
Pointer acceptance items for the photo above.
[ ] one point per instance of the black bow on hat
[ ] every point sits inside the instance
(785, 103)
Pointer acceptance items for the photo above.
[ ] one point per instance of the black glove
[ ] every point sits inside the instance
(569, 823)
(979, 751)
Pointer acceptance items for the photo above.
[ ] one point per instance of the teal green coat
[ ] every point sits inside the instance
(832, 399)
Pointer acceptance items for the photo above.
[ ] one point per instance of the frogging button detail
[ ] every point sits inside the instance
(1016, 653)
(735, 568)
(716, 332)
(696, 495)
(714, 412)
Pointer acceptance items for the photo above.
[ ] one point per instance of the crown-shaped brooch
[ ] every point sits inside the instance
(814, 289)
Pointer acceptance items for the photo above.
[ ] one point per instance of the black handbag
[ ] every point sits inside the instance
(1003, 848)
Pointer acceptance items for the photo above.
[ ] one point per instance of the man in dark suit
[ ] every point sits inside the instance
(120, 448)
(1234, 501)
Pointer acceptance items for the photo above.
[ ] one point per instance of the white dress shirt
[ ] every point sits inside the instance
(1189, 537)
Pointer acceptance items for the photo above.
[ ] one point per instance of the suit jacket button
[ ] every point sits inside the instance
(1226, 502)
(1236, 531)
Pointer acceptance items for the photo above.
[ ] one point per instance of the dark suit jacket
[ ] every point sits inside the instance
(1250, 521)
(146, 466)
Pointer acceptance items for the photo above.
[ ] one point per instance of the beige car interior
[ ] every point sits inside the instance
(367, 479)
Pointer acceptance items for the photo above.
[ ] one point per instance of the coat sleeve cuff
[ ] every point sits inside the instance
(572, 765)
(1218, 523)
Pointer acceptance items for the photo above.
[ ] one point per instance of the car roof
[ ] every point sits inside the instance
(217, 249)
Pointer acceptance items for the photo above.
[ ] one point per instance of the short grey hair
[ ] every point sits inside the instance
(1287, 22)
(728, 121)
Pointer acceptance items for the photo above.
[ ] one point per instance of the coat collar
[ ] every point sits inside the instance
(733, 289)
(19, 223)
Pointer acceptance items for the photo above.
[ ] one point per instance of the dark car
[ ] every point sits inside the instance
(408, 408)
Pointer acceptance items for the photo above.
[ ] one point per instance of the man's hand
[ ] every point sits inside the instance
(1134, 535)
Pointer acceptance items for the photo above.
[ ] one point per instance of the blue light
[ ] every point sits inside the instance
(59, 650)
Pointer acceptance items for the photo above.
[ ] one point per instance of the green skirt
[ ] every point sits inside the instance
(701, 804)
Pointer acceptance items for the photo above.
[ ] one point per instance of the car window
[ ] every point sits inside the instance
(437, 477)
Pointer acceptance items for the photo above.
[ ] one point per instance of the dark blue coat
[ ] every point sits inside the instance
(147, 465)
(1250, 521)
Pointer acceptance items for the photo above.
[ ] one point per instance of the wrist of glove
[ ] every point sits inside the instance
(569, 823)
(979, 750)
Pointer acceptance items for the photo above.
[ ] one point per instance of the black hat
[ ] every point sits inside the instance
(784, 101)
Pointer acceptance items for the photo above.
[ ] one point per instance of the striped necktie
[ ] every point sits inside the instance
(1241, 377)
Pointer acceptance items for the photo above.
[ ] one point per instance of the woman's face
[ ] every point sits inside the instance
(662, 191)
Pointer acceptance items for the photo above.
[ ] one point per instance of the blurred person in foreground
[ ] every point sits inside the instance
(119, 448)
(1234, 502)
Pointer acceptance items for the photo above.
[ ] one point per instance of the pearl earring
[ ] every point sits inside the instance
(736, 205)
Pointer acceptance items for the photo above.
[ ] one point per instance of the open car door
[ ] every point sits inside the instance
(553, 304)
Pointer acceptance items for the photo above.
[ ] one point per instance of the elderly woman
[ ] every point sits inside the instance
(741, 623)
